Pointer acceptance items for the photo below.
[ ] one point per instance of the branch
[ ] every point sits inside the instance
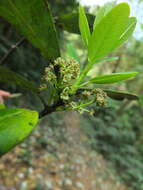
(11, 51)
(50, 109)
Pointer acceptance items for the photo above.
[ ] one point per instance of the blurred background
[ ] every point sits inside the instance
(69, 151)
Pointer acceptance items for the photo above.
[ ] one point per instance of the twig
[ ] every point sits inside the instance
(13, 48)
(50, 109)
(47, 109)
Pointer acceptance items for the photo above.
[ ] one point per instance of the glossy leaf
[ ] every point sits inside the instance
(10, 77)
(107, 33)
(34, 20)
(84, 27)
(70, 22)
(112, 78)
(117, 95)
(15, 126)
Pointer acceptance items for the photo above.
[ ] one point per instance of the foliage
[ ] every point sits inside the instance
(106, 36)
(117, 134)
(64, 79)
(15, 125)
(11, 77)
(112, 78)
(69, 22)
(26, 17)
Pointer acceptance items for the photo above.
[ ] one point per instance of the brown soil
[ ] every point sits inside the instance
(64, 164)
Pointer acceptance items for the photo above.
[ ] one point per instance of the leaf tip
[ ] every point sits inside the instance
(124, 5)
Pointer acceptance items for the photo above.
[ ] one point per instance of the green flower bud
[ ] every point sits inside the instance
(101, 96)
(69, 70)
(65, 94)
(43, 87)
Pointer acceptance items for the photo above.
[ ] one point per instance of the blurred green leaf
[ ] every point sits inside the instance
(84, 27)
(108, 59)
(117, 95)
(70, 22)
(34, 20)
(71, 51)
(15, 126)
(108, 31)
(2, 106)
(112, 78)
(15, 95)
(10, 77)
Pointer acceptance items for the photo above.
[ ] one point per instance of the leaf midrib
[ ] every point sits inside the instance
(23, 20)
(10, 115)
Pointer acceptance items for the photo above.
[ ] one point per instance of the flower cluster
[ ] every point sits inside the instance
(49, 76)
(69, 70)
(64, 95)
(87, 98)
(98, 94)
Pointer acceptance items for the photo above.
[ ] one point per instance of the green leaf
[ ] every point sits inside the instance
(34, 20)
(108, 31)
(103, 11)
(10, 77)
(128, 32)
(15, 126)
(116, 95)
(70, 22)
(83, 25)
(93, 72)
(112, 78)
(107, 59)
(71, 51)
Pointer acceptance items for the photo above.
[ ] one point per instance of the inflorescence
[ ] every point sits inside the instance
(68, 72)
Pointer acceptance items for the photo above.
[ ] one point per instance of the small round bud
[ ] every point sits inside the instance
(69, 70)
(65, 94)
